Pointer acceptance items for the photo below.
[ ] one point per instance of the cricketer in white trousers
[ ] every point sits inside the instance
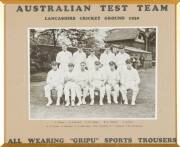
(70, 88)
(112, 86)
(105, 58)
(129, 80)
(55, 80)
(63, 58)
(78, 57)
(82, 86)
(97, 79)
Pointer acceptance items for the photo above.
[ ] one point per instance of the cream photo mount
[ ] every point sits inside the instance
(178, 69)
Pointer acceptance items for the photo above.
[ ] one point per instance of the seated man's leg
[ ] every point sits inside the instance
(123, 90)
(102, 93)
(66, 93)
(59, 94)
(79, 94)
(85, 93)
(115, 93)
(92, 95)
(47, 90)
(73, 94)
(108, 92)
(134, 95)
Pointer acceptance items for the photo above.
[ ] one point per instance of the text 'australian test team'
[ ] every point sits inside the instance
(89, 8)
(76, 76)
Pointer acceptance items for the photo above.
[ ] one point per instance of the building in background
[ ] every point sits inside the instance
(138, 42)
(131, 37)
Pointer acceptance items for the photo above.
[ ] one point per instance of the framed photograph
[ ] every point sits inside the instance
(90, 73)
(86, 46)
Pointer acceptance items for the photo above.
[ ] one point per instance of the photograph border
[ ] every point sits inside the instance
(64, 119)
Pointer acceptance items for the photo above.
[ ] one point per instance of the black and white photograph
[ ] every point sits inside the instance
(92, 73)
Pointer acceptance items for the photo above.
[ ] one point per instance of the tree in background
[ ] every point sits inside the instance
(50, 40)
(49, 36)
(149, 35)
(73, 37)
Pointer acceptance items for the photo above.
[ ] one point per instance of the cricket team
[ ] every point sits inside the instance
(76, 76)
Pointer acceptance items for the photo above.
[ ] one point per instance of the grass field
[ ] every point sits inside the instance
(145, 107)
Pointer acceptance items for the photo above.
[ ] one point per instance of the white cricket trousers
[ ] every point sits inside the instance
(124, 89)
(82, 92)
(70, 90)
(48, 89)
(112, 90)
(97, 85)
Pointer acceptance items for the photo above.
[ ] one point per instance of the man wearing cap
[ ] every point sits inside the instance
(82, 83)
(78, 57)
(121, 57)
(112, 83)
(64, 57)
(70, 85)
(91, 59)
(106, 57)
(55, 80)
(97, 82)
(129, 80)
(115, 49)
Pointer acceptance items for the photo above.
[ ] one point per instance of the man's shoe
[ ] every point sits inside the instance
(67, 104)
(116, 102)
(57, 103)
(101, 103)
(49, 103)
(92, 103)
(125, 102)
(79, 103)
(109, 102)
(133, 103)
(72, 103)
(83, 102)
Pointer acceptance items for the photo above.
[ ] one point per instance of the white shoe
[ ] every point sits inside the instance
(133, 103)
(84, 102)
(101, 103)
(67, 104)
(72, 103)
(116, 102)
(109, 102)
(92, 103)
(125, 102)
(79, 103)
(49, 103)
(57, 103)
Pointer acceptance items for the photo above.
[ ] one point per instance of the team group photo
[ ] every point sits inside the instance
(92, 73)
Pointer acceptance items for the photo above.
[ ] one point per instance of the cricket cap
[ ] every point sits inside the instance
(112, 63)
(92, 50)
(70, 64)
(54, 63)
(121, 46)
(128, 61)
(97, 62)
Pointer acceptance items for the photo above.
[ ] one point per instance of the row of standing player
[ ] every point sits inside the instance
(75, 80)
(64, 57)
